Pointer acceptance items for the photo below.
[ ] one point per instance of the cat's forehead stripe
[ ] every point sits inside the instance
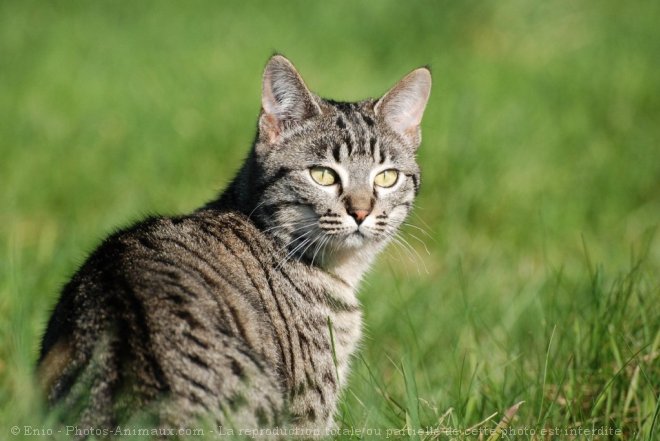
(360, 136)
(342, 150)
(355, 135)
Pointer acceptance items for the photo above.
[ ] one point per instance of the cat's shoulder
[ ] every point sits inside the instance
(170, 241)
(154, 231)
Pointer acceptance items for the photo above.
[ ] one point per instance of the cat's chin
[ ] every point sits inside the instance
(356, 240)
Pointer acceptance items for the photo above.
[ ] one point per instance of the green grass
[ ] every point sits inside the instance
(540, 198)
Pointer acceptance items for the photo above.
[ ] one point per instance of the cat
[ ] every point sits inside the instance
(245, 311)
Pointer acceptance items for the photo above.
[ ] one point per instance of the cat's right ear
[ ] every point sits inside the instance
(403, 106)
(285, 100)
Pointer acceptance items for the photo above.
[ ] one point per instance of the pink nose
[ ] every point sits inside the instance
(359, 215)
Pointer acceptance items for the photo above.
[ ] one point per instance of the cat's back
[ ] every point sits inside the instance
(171, 304)
(171, 269)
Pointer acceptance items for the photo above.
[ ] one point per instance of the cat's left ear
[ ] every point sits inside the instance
(403, 106)
(285, 100)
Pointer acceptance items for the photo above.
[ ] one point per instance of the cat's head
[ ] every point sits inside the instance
(335, 178)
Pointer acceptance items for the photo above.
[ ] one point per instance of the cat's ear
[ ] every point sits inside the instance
(402, 107)
(285, 100)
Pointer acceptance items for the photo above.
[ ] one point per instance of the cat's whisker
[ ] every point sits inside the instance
(397, 241)
(426, 233)
(322, 248)
(292, 234)
(405, 254)
(255, 208)
(415, 206)
(316, 239)
(296, 250)
(305, 228)
(292, 252)
(319, 247)
(396, 236)
(397, 246)
(420, 241)
(409, 246)
(286, 246)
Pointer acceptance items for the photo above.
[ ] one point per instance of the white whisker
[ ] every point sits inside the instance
(316, 239)
(413, 250)
(420, 241)
(318, 247)
(255, 208)
(426, 233)
(420, 218)
(292, 252)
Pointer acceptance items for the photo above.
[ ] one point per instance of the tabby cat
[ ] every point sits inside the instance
(245, 311)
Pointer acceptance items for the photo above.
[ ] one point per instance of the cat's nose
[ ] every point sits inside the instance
(359, 205)
(359, 215)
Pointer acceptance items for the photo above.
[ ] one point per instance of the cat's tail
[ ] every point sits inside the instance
(80, 381)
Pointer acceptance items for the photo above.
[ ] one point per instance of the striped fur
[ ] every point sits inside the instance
(245, 310)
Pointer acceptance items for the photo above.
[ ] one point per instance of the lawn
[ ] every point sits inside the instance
(532, 271)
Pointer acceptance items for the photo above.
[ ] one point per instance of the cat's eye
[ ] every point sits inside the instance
(386, 178)
(323, 175)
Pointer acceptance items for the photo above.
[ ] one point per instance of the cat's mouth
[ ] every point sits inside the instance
(356, 238)
(346, 236)
(358, 235)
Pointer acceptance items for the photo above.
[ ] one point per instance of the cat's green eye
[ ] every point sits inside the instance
(386, 178)
(323, 175)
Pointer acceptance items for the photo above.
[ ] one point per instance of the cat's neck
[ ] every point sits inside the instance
(350, 265)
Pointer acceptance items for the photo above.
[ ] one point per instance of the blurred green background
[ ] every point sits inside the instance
(536, 277)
